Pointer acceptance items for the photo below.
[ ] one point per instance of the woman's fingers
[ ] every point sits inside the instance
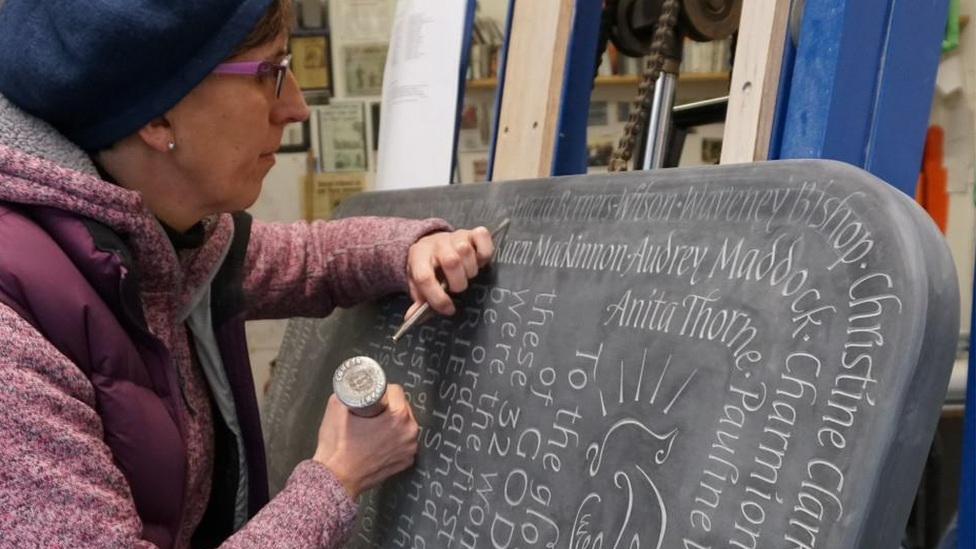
(484, 246)
(452, 258)
(423, 279)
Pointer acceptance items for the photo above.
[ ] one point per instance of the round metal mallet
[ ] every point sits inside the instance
(360, 384)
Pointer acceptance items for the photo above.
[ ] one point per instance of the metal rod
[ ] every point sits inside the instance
(660, 121)
(698, 104)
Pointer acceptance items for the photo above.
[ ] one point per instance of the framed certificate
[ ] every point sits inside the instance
(364, 66)
(310, 60)
(342, 137)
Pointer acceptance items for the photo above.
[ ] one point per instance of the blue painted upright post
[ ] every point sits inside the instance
(967, 484)
(862, 85)
(499, 90)
(570, 154)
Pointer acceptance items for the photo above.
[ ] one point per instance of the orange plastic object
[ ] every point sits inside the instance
(931, 191)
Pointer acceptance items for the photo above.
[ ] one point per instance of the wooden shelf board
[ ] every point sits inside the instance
(703, 77)
(482, 83)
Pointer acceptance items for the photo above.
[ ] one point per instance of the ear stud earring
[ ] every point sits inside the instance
(171, 146)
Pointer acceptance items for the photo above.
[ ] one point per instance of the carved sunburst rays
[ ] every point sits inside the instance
(633, 384)
(657, 387)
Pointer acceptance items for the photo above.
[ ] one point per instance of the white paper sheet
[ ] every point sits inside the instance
(420, 94)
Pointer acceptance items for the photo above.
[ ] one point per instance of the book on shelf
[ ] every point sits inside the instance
(486, 45)
(474, 131)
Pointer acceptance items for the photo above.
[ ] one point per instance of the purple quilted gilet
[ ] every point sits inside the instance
(72, 280)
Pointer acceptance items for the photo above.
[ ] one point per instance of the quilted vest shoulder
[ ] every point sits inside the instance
(54, 275)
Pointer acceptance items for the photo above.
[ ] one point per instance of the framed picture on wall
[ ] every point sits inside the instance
(711, 150)
(342, 137)
(310, 59)
(364, 66)
(296, 137)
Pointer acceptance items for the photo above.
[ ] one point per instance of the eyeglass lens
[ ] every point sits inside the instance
(282, 71)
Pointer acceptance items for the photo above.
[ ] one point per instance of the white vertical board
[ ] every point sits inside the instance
(420, 94)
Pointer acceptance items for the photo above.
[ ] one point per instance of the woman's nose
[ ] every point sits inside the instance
(290, 107)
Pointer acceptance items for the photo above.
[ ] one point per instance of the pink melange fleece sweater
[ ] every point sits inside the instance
(59, 486)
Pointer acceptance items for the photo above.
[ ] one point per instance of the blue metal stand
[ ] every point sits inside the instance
(499, 90)
(858, 88)
(967, 484)
(462, 79)
(570, 155)
(862, 84)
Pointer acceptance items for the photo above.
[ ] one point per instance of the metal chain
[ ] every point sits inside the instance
(653, 63)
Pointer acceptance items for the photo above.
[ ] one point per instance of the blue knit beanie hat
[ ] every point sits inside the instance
(98, 70)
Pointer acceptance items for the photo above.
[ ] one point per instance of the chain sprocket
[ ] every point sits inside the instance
(653, 63)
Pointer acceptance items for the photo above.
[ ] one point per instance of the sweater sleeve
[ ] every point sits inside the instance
(308, 269)
(60, 488)
(313, 511)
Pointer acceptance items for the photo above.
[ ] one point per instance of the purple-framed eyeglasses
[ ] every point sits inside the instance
(259, 68)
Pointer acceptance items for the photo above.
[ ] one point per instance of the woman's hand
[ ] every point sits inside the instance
(455, 256)
(363, 452)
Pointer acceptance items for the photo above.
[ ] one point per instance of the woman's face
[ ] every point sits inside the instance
(227, 130)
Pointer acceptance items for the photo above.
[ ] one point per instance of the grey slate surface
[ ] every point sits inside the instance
(742, 356)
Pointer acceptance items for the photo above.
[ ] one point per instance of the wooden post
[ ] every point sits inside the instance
(534, 68)
(755, 80)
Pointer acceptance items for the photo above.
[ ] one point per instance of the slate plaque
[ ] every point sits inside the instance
(745, 356)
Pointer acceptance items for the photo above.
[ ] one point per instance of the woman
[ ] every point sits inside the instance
(127, 132)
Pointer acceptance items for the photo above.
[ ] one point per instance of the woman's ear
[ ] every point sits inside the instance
(158, 133)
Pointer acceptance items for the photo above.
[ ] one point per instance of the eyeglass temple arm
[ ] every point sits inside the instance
(245, 67)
